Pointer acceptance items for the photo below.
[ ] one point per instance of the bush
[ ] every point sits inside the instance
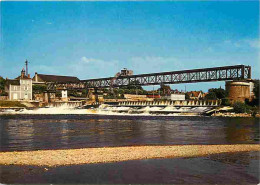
(39, 88)
(11, 104)
(225, 102)
(3, 93)
(240, 107)
(211, 96)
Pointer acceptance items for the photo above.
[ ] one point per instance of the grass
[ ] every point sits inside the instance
(11, 104)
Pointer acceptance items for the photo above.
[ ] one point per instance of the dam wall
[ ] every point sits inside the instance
(174, 103)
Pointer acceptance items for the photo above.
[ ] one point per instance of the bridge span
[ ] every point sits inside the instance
(225, 73)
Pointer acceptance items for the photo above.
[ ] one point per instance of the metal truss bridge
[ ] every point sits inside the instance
(236, 72)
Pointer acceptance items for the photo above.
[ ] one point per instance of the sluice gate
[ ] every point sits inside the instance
(176, 103)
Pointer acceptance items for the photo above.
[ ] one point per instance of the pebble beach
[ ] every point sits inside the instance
(53, 158)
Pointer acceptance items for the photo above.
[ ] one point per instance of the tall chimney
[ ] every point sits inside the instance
(36, 77)
(26, 64)
(22, 73)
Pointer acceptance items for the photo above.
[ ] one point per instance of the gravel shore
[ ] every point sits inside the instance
(115, 154)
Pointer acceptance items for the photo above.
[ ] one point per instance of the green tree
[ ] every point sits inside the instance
(216, 93)
(187, 96)
(256, 88)
(165, 89)
(2, 85)
(211, 96)
(39, 88)
(133, 85)
(240, 107)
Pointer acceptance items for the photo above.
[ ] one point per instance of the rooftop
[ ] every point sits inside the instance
(56, 78)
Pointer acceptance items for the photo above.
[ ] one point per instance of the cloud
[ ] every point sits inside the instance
(49, 22)
(87, 68)
(254, 43)
(91, 60)
(243, 43)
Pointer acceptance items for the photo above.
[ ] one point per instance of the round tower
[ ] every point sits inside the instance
(239, 90)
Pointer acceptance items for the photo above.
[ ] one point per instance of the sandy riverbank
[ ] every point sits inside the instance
(115, 154)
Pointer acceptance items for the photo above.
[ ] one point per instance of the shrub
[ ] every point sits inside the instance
(11, 104)
(225, 102)
(39, 88)
(240, 107)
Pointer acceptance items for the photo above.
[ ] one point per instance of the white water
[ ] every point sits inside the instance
(113, 110)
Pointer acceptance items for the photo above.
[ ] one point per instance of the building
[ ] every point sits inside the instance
(19, 88)
(126, 72)
(195, 95)
(42, 78)
(240, 90)
(178, 96)
(175, 96)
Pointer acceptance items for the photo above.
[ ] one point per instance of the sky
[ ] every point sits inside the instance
(98, 39)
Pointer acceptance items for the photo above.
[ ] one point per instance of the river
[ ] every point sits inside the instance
(34, 132)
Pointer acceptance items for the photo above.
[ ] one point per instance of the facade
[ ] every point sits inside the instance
(177, 96)
(19, 88)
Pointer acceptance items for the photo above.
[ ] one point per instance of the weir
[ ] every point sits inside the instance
(71, 104)
(165, 103)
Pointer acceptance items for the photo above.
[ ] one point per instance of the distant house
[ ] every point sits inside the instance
(42, 78)
(19, 88)
(195, 95)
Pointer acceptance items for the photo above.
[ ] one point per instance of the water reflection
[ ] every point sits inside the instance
(68, 131)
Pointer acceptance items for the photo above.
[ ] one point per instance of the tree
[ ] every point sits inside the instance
(39, 88)
(2, 85)
(187, 96)
(133, 85)
(211, 96)
(255, 101)
(216, 93)
(240, 107)
(165, 89)
(256, 89)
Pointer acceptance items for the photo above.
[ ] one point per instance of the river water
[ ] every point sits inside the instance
(34, 132)
(21, 132)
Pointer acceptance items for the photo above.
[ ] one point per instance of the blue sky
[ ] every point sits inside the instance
(97, 39)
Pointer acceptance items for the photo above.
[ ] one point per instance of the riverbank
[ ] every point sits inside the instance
(233, 114)
(116, 154)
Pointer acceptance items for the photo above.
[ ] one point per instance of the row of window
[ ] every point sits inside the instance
(25, 82)
(16, 88)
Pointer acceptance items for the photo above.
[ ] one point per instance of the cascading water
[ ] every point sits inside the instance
(114, 110)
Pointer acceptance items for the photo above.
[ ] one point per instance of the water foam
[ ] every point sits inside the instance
(113, 110)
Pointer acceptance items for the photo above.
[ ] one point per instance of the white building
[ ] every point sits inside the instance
(19, 88)
(175, 97)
